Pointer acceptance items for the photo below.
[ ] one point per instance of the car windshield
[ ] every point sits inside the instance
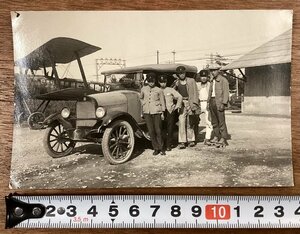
(132, 81)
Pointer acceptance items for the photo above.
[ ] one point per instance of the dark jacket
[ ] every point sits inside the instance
(193, 94)
(221, 91)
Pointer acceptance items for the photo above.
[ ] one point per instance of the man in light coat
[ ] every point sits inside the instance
(203, 88)
(153, 104)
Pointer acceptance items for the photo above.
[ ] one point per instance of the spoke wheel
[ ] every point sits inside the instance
(118, 142)
(35, 120)
(57, 141)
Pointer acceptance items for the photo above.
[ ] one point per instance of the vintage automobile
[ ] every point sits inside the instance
(112, 118)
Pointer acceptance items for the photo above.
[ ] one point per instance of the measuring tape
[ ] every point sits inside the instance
(152, 211)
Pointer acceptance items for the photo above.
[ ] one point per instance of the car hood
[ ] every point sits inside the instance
(111, 98)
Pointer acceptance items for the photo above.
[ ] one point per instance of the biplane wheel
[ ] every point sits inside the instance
(57, 142)
(118, 142)
(35, 120)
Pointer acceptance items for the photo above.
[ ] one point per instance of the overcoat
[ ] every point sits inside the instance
(221, 91)
(192, 90)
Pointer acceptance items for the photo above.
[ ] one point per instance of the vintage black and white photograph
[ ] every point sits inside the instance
(109, 99)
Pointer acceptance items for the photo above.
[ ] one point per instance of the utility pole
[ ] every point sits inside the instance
(211, 59)
(173, 52)
(97, 71)
(237, 87)
(157, 56)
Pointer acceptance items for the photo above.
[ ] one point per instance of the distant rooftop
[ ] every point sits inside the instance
(275, 51)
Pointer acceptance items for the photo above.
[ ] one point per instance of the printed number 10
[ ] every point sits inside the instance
(217, 212)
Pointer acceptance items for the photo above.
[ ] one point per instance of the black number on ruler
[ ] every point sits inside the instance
(297, 212)
(134, 211)
(113, 211)
(196, 211)
(155, 207)
(50, 209)
(92, 211)
(72, 211)
(237, 211)
(175, 211)
(258, 212)
(279, 212)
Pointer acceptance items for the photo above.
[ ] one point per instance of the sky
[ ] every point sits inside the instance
(135, 36)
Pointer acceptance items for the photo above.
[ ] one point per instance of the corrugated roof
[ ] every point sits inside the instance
(275, 51)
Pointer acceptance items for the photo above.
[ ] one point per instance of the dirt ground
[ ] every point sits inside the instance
(259, 154)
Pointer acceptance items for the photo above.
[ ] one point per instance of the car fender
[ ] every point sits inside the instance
(116, 115)
(56, 117)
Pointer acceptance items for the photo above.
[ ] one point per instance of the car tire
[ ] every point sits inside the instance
(118, 142)
(57, 142)
(34, 120)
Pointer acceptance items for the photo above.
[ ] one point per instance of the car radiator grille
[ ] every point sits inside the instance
(85, 113)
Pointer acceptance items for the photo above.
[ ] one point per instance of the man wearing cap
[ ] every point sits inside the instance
(171, 96)
(153, 104)
(218, 98)
(190, 109)
(203, 88)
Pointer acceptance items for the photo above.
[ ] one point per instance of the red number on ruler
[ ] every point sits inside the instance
(217, 212)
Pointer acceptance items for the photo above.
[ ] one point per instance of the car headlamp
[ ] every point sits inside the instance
(65, 113)
(100, 112)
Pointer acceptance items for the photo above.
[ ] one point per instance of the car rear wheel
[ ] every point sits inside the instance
(118, 142)
(57, 142)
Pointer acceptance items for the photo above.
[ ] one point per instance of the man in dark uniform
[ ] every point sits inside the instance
(153, 103)
(190, 109)
(173, 103)
(218, 98)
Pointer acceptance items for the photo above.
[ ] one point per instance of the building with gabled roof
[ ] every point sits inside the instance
(268, 73)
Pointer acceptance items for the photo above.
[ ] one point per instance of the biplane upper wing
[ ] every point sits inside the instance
(68, 94)
(57, 50)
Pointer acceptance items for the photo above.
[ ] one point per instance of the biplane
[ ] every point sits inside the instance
(110, 115)
(49, 86)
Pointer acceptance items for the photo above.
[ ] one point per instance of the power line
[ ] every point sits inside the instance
(237, 54)
(198, 50)
(275, 56)
(242, 46)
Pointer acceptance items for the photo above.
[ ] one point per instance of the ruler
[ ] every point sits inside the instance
(152, 211)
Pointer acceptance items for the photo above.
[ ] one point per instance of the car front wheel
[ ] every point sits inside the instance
(118, 142)
(57, 142)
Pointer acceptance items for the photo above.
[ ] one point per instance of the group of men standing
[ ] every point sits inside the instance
(192, 101)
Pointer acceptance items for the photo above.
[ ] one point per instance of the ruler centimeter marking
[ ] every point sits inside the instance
(154, 211)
